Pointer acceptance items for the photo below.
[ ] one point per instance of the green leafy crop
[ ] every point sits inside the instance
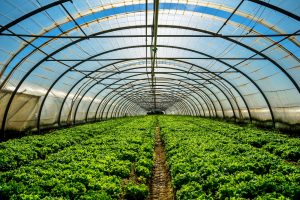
(216, 160)
(93, 161)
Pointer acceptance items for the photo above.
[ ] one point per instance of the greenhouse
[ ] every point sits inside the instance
(160, 99)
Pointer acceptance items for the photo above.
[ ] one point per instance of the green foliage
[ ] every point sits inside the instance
(17, 152)
(143, 171)
(90, 168)
(136, 191)
(216, 160)
(207, 160)
(92, 195)
(191, 190)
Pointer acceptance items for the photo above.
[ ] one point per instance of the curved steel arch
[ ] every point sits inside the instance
(192, 80)
(91, 73)
(116, 109)
(181, 27)
(185, 28)
(189, 104)
(180, 107)
(171, 92)
(247, 47)
(120, 113)
(177, 61)
(29, 72)
(130, 82)
(43, 8)
(131, 107)
(131, 110)
(137, 80)
(184, 108)
(16, 21)
(75, 84)
(181, 85)
(279, 10)
(121, 107)
(203, 110)
(271, 6)
(189, 28)
(143, 46)
(225, 95)
(125, 109)
(176, 69)
(160, 88)
(197, 30)
(136, 110)
(147, 79)
(166, 95)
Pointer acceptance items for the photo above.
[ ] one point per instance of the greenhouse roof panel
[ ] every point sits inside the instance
(80, 49)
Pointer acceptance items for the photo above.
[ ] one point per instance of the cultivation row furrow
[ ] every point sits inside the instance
(161, 187)
(17, 152)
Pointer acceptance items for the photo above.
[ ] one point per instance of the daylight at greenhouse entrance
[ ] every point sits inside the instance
(154, 99)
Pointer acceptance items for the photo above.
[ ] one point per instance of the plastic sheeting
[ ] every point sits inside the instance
(64, 62)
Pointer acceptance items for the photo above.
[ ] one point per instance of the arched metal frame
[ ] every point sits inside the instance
(80, 81)
(188, 106)
(161, 90)
(129, 82)
(6, 27)
(180, 85)
(210, 82)
(112, 84)
(120, 102)
(130, 109)
(133, 76)
(122, 61)
(141, 89)
(170, 92)
(186, 28)
(178, 61)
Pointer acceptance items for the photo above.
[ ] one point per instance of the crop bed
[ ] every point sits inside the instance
(218, 160)
(106, 160)
(114, 159)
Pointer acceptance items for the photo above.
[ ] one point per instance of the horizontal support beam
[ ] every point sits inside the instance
(158, 78)
(118, 91)
(167, 58)
(142, 36)
(160, 85)
(139, 72)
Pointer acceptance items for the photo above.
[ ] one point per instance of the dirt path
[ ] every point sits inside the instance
(161, 187)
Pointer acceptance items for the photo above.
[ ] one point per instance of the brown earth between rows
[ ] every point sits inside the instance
(161, 188)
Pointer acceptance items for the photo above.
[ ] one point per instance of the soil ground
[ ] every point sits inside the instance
(161, 188)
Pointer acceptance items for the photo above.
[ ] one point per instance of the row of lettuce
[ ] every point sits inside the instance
(106, 160)
(114, 160)
(282, 145)
(15, 153)
(217, 160)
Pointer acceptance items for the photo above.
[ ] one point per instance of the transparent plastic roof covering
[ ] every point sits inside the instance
(65, 62)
